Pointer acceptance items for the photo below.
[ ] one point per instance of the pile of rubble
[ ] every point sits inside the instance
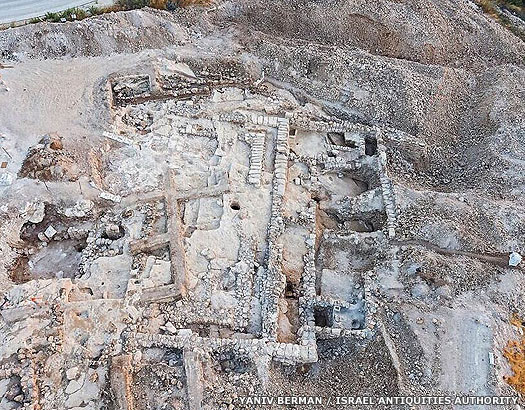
(48, 161)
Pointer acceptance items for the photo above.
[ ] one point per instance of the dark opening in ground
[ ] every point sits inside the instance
(233, 362)
(370, 146)
(290, 291)
(173, 357)
(336, 138)
(323, 316)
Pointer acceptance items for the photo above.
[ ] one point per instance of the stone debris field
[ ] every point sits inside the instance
(190, 216)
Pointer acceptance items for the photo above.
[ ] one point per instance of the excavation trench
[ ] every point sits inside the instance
(499, 259)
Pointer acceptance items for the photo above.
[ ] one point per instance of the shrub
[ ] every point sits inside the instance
(494, 9)
(187, 3)
(133, 4)
(172, 5)
(54, 17)
(94, 10)
(81, 13)
(160, 4)
(514, 352)
(67, 13)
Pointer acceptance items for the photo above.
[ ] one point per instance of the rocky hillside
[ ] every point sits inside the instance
(443, 76)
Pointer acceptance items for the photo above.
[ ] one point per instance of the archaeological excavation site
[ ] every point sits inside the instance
(206, 206)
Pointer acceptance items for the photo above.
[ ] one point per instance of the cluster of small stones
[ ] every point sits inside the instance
(36, 390)
(25, 391)
(334, 147)
(257, 145)
(311, 162)
(387, 188)
(171, 375)
(326, 301)
(197, 131)
(186, 339)
(308, 278)
(20, 391)
(330, 124)
(244, 282)
(222, 75)
(329, 164)
(152, 213)
(102, 241)
(189, 311)
(50, 234)
(272, 284)
(169, 108)
(138, 118)
(179, 84)
(305, 217)
(47, 161)
(243, 383)
(351, 207)
(323, 333)
(27, 364)
(128, 88)
(233, 117)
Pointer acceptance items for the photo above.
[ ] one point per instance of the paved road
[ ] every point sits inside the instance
(17, 10)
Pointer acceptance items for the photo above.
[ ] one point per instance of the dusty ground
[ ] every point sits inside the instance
(441, 76)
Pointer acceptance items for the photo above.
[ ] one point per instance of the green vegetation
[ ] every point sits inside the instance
(160, 4)
(491, 6)
(69, 15)
(133, 4)
(52, 17)
(495, 8)
(94, 11)
(79, 13)
(516, 6)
